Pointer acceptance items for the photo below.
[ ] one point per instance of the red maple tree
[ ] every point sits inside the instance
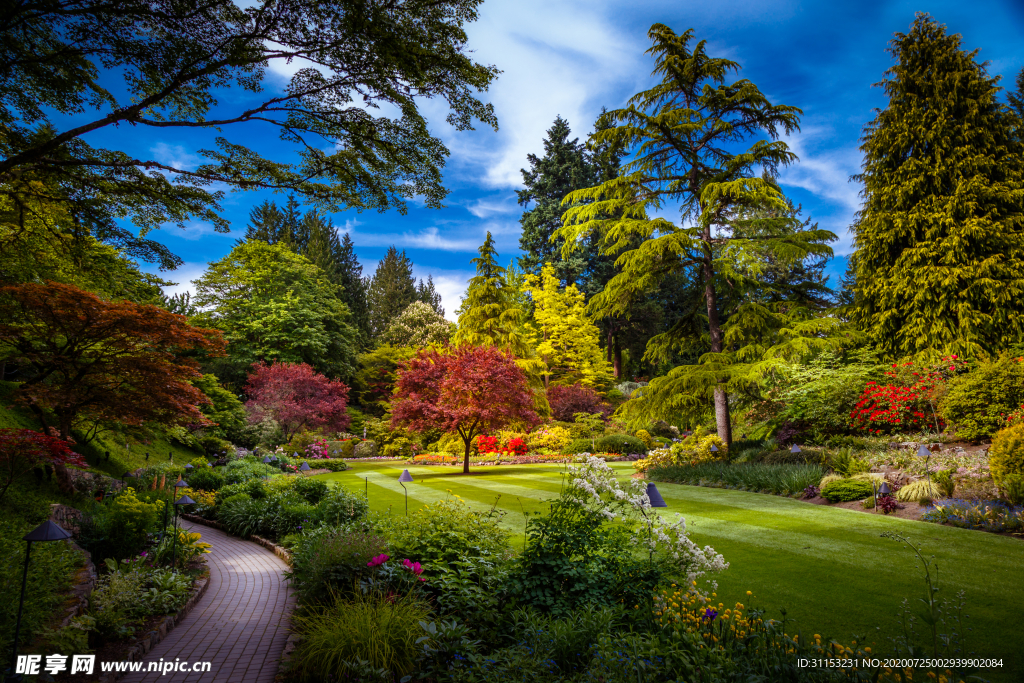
(86, 363)
(568, 399)
(297, 397)
(470, 390)
(21, 450)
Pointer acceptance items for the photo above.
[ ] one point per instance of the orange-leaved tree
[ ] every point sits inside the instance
(86, 363)
(470, 390)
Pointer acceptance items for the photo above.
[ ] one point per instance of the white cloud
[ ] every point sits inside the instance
(825, 173)
(183, 276)
(175, 156)
(450, 284)
(428, 238)
(549, 71)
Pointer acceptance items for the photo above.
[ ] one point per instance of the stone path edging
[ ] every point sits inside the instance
(280, 551)
(142, 647)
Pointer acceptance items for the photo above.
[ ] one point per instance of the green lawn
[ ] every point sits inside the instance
(828, 567)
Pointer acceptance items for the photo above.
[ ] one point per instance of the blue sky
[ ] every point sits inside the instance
(571, 58)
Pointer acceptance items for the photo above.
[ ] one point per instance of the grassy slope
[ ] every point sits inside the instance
(121, 459)
(828, 567)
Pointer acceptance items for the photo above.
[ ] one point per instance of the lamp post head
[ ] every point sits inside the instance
(273, 458)
(181, 485)
(189, 466)
(266, 460)
(184, 500)
(884, 489)
(655, 496)
(305, 467)
(405, 476)
(47, 531)
(713, 449)
(923, 451)
(794, 449)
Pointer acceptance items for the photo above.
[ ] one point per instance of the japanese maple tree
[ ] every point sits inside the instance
(23, 449)
(297, 397)
(469, 390)
(87, 363)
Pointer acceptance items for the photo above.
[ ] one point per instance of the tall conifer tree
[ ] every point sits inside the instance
(686, 132)
(354, 285)
(429, 295)
(391, 290)
(940, 238)
(563, 168)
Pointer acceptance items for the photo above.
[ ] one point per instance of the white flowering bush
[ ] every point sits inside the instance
(601, 544)
(593, 485)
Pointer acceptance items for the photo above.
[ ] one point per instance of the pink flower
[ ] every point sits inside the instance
(378, 560)
(414, 567)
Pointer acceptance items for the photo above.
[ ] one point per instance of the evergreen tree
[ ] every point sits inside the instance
(354, 285)
(686, 133)
(429, 295)
(264, 223)
(391, 290)
(940, 237)
(322, 244)
(563, 168)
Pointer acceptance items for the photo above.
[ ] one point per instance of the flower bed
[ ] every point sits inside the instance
(508, 459)
(988, 515)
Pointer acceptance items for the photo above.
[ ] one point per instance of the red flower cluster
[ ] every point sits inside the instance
(489, 444)
(907, 402)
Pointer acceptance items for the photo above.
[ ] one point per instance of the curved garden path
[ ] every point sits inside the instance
(240, 625)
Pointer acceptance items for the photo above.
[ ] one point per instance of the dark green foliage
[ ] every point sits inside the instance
(391, 290)
(120, 526)
(332, 560)
(51, 571)
(244, 516)
(843, 490)
(573, 558)
(563, 169)
(206, 479)
(313, 490)
(779, 479)
(332, 464)
(429, 295)
(241, 471)
(339, 506)
(976, 403)
(944, 212)
(619, 443)
(146, 68)
(581, 446)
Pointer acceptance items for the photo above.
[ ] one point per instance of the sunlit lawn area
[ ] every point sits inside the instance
(828, 567)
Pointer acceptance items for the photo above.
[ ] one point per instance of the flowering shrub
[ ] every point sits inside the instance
(487, 444)
(908, 401)
(692, 451)
(550, 439)
(317, 450)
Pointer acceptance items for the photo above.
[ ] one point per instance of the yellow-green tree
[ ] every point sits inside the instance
(567, 338)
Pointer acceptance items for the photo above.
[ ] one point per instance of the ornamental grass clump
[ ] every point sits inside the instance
(917, 490)
(380, 630)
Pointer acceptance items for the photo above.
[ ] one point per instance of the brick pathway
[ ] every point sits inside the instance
(240, 624)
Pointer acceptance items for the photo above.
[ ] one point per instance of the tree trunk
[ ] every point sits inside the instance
(617, 362)
(465, 461)
(715, 332)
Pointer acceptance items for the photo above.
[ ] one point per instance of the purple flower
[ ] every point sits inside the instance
(710, 614)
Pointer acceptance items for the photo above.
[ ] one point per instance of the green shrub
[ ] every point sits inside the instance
(621, 444)
(290, 513)
(240, 471)
(975, 402)
(331, 560)
(254, 488)
(313, 490)
(382, 632)
(245, 516)
(845, 463)
(365, 449)
(341, 449)
(944, 480)
(333, 464)
(846, 489)
(206, 479)
(339, 506)
(916, 490)
(1012, 487)
(1006, 455)
(120, 526)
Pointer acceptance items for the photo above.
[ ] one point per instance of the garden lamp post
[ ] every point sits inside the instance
(184, 500)
(405, 477)
(47, 531)
(656, 500)
(923, 452)
(713, 449)
(266, 460)
(795, 449)
(305, 467)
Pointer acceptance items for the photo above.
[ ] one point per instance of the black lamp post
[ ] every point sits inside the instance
(47, 531)
(402, 478)
(184, 500)
(884, 489)
(923, 452)
(266, 460)
(305, 467)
